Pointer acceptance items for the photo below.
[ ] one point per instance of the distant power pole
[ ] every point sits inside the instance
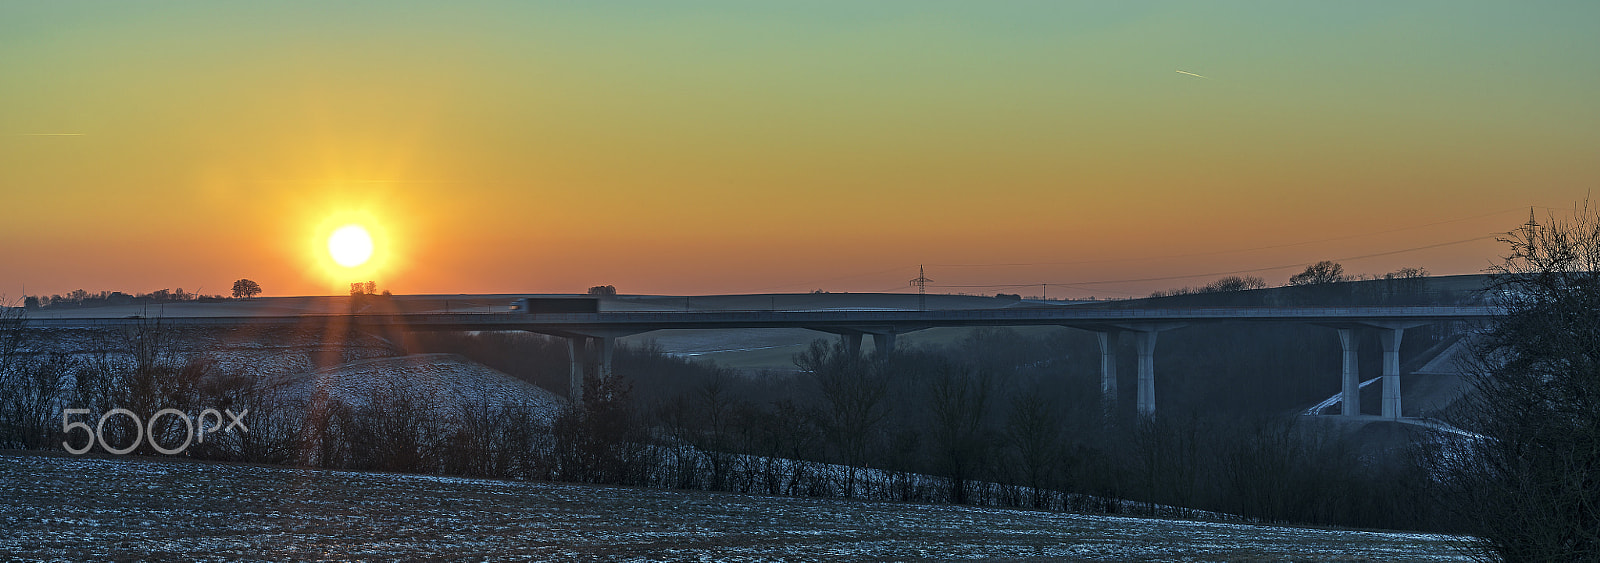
(922, 288)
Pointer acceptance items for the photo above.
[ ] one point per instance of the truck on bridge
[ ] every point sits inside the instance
(556, 304)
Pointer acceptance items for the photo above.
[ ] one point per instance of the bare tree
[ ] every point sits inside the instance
(1326, 271)
(716, 405)
(13, 337)
(854, 406)
(599, 440)
(31, 384)
(959, 402)
(1529, 488)
(1033, 431)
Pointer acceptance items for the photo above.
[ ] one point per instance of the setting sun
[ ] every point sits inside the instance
(355, 241)
(350, 246)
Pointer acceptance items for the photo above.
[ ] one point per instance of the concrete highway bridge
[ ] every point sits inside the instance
(591, 337)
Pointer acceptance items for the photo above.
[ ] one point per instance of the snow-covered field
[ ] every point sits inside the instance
(449, 379)
(302, 363)
(67, 508)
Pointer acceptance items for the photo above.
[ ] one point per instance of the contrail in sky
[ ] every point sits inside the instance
(1190, 73)
(50, 134)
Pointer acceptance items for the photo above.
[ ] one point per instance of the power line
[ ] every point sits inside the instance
(1166, 257)
(1237, 250)
(1245, 271)
(809, 283)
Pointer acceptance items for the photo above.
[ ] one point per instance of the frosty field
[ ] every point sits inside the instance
(67, 508)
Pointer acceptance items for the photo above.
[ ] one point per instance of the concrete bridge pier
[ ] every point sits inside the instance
(588, 353)
(577, 354)
(1390, 339)
(884, 342)
(1389, 336)
(852, 343)
(1145, 343)
(1108, 368)
(608, 345)
(1350, 393)
(883, 337)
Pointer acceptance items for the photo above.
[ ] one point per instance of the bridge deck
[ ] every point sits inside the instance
(897, 321)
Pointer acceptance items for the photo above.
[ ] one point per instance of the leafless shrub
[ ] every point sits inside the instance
(397, 429)
(600, 441)
(1529, 489)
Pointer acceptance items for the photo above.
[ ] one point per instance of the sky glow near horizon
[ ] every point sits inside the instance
(737, 147)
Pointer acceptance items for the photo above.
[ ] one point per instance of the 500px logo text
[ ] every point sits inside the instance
(145, 431)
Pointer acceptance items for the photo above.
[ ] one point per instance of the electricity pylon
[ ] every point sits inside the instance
(921, 282)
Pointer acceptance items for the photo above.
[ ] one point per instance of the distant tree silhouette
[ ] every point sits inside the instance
(1222, 285)
(1326, 271)
(1407, 273)
(245, 288)
(603, 290)
(1405, 286)
(1234, 283)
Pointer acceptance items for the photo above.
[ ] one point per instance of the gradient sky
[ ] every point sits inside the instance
(753, 147)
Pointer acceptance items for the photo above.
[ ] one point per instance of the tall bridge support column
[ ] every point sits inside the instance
(1146, 344)
(1390, 338)
(577, 354)
(884, 336)
(883, 342)
(852, 344)
(1108, 368)
(588, 352)
(608, 344)
(1350, 394)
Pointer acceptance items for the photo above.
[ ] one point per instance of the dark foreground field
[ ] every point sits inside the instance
(67, 508)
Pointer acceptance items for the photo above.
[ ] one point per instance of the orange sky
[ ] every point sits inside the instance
(727, 147)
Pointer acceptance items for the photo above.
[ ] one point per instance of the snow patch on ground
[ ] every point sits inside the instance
(449, 379)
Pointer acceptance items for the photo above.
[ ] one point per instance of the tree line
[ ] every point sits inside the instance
(242, 289)
(1002, 417)
(81, 298)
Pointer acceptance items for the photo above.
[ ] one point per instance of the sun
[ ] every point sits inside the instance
(350, 245)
